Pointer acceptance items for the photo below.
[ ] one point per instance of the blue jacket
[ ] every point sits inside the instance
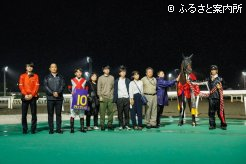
(162, 85)
(116, 88)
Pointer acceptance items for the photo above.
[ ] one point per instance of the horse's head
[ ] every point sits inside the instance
(186, 68)
(186, 65)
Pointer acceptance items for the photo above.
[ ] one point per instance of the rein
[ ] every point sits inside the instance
(222, 113)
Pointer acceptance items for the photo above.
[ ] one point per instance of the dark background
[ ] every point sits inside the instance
(136, 34)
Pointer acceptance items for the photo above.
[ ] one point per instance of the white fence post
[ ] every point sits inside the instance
(245, 105)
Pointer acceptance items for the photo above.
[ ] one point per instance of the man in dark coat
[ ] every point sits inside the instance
(216, 104)
(54, 85)
(162, 96)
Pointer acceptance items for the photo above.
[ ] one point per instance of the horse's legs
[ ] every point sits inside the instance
(182, 106)
(192, 107)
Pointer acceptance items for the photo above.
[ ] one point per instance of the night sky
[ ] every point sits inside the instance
(136, 34)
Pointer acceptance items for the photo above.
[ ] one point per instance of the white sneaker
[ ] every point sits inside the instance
(96, 128)
(128, 128)
(120, 128)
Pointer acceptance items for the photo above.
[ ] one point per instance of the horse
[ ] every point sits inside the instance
(186, 91)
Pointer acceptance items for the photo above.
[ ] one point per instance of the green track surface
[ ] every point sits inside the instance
(168, 144)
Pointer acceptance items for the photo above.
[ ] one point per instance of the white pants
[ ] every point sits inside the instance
(75, 112)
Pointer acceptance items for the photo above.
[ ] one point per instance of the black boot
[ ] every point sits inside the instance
(212, 125)
(102, 128)
(223, 126)
(72, 125)
(110, 127)
(82, 128)
(59, 131)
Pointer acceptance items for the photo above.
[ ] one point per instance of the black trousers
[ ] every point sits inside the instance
(54, 106)
(137, 110)
(94, 113)
(160, 109)
(214, 107)
(123, 107)
(33, 105)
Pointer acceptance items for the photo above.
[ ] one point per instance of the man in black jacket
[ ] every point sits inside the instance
(121, 98)
(54, 85)
(215, 99)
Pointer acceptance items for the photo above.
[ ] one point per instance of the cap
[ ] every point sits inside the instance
(213, 67)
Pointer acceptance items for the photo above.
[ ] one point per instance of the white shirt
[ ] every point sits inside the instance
(122, 90)
(54, 74)
(133, 87)
(214, 76)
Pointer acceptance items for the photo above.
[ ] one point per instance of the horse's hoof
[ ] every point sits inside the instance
(180, 123)
(193, 124)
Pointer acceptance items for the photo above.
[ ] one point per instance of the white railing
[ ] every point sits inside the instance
(9, 99)
(227, 93)
(172, 94)
(230, 93)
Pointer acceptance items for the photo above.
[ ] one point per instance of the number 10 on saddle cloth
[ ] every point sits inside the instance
(80, 99)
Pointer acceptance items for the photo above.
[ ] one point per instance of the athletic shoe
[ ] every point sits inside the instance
(128, 128)
(140, 128)
(96, 128)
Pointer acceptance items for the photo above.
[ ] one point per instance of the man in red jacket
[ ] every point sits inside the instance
(29, 85)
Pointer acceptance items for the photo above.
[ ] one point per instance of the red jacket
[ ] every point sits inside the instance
(29, 84)
(186, 87)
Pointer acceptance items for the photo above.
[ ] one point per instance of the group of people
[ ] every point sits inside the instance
(129, 95)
